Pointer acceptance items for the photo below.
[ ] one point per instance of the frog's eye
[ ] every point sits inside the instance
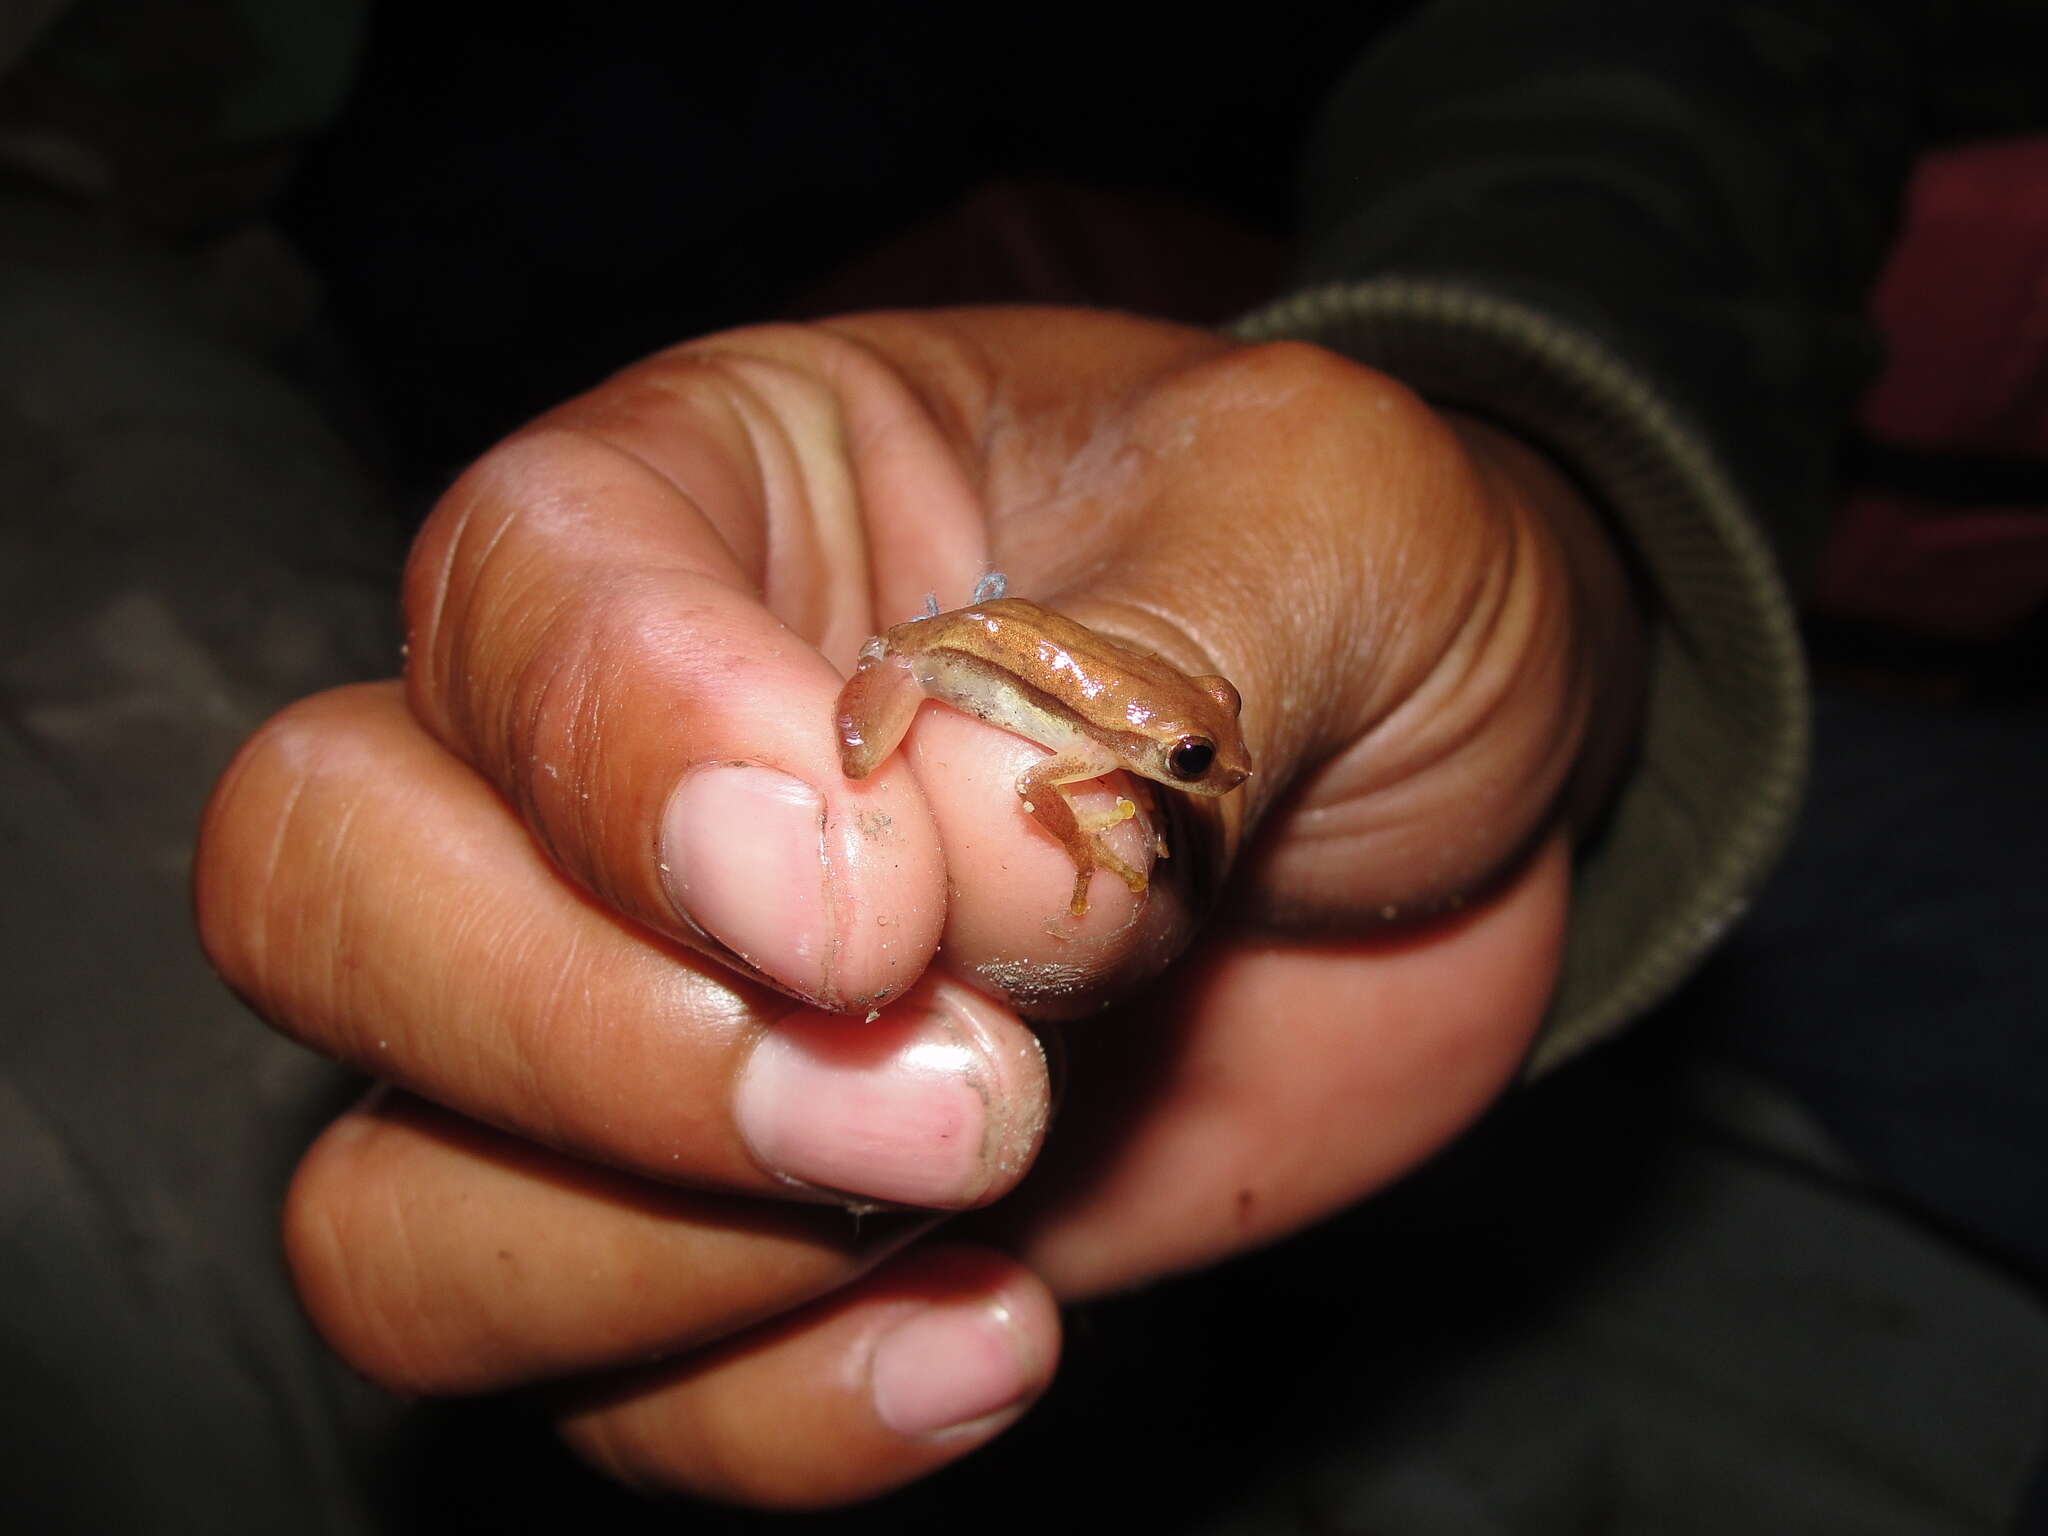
(1190, 757)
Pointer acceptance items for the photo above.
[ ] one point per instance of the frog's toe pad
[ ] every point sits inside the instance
(1102, 821)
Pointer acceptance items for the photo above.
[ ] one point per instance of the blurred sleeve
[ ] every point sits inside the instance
(1641, 237)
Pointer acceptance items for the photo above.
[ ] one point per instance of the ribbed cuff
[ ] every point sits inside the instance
(1701, 819)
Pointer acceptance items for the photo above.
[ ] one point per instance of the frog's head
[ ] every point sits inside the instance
(1206, 754)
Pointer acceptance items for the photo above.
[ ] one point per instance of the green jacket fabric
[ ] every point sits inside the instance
(1642, 238)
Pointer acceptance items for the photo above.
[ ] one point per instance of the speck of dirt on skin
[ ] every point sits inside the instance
(1245, 1201)
(875, 825)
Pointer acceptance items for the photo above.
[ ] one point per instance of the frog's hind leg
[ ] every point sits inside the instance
(1043, 790)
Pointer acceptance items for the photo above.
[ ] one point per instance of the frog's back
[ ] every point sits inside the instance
(1018, 633)
(1012, 625)
(1002, 626)
(1068, 658)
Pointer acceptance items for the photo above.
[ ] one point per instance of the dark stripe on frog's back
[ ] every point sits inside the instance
(1151, 676)
(1129, 744)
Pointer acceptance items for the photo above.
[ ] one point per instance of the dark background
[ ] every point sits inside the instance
(511, 208)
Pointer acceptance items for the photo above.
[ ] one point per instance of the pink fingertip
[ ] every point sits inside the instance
(931, 1108)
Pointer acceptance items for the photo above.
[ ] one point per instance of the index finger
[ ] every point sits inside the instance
(623, 616)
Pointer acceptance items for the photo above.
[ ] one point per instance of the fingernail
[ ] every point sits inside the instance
(743, 857)
(919, 1108)
(950, 1366)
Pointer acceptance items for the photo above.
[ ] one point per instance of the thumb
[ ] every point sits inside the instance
(1424, 619)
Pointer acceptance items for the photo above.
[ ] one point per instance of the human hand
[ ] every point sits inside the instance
(595, 881)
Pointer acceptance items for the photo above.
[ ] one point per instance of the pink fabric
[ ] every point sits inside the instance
(1963, 307)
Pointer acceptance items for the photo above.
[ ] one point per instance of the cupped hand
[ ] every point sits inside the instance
(658, 994)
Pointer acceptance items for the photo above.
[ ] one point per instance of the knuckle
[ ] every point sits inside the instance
(453, 594)
(525, 636)
(1308, 375)
(252, 822)
(348, 1244)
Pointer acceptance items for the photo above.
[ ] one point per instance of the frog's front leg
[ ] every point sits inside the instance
(875, 708)
(1042, 788)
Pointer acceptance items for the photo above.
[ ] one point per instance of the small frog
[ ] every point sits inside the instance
(1097, 705)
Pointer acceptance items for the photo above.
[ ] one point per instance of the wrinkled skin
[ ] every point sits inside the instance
(660, 993)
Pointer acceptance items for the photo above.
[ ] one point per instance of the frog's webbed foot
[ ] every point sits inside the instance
(1093, 826)
(1045, 797)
